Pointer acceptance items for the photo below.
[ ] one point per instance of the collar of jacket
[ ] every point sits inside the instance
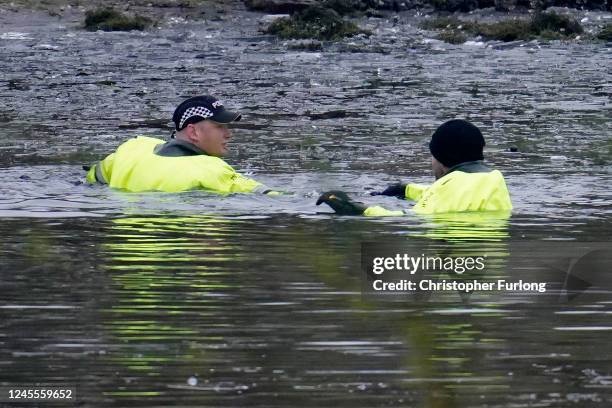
(177, 148)
(470, 167)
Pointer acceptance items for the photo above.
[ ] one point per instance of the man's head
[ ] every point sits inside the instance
(454, 142)
(202, 120)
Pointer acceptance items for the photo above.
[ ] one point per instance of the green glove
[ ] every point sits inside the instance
(341, 203)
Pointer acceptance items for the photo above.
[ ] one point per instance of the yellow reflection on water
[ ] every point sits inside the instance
(168, 274)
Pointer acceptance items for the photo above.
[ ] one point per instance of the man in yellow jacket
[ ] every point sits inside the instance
(463, 183)
(191, 160)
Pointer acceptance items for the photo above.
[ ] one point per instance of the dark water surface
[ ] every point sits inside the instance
(193, 300)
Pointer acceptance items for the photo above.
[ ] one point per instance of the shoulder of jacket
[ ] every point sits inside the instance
(448, 178)
(148, 139)
(461, 175)
(211, 162)
(142, 140)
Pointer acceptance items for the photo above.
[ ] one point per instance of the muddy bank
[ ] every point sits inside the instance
(335, 19)
(367, 6)
(158, 10)
(197, 9)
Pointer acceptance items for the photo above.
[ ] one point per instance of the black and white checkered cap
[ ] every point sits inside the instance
(201, 108)
(195, 111)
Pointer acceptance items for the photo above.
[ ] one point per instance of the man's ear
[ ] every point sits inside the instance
(191, 133)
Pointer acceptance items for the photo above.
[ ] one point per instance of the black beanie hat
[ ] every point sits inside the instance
(456, 141)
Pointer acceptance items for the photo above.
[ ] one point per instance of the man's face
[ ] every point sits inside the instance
(211, 137)
(438, 169)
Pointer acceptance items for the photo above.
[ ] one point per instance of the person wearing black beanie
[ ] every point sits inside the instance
(456, 141)
(463, 183)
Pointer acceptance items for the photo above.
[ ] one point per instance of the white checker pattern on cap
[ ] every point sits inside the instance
(195, 111)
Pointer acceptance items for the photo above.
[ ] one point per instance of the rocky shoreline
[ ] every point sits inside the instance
(199, 8)
(475, 20)
(291, 6)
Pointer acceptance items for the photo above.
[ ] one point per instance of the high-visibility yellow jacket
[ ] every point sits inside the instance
(467, 187)
(149, 164)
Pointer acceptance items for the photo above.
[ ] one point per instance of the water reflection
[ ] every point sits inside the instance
(200, 310)
(192, 300)
(468, 226)
(172, 279)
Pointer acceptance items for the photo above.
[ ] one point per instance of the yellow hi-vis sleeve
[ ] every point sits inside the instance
(101, 171)
(91, 174)
(415, 191)
(135, 167)
(242, 184)
(456, 192)
(459, 192)
(378, 211)
(273, 193)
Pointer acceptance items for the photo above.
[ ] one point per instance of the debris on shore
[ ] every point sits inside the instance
(109, 19)
(314, 22)
(606, 33)
(350, 6)
(543, 25)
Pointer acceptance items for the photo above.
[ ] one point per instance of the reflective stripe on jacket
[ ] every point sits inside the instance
(457, 191)
(135, 167)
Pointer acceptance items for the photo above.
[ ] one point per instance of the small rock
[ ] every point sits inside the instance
(18, 85)
(47, 47)
(269, 18)
(327, 115)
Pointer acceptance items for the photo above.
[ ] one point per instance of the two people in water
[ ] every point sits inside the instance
(192, 159)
